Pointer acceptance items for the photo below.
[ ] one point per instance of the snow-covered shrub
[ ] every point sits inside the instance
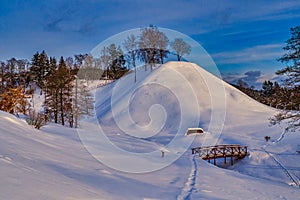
(37, 120)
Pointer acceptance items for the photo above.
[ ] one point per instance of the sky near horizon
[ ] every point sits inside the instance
(244, 38)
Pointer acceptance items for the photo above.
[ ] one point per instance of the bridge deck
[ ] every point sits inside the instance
(221, 151)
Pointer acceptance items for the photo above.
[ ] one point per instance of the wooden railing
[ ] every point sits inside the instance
(221, 151)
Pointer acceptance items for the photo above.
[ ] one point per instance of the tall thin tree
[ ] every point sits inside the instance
(130, 44)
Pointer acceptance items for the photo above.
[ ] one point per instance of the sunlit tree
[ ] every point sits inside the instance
(292, 71)
(180, 47)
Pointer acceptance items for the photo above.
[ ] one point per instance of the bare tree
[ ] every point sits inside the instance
(130, 44)
(79, 58)
(85, 99)
(91, 69)
(69, 62)
(162, 44)
(105, 60)
(152, 46)
(180, 47)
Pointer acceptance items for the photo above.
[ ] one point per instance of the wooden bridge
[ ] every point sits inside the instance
(221, 151)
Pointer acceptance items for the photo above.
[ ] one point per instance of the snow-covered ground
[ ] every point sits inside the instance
(53, 163)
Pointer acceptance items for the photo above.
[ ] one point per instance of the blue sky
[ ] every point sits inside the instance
(243, 37)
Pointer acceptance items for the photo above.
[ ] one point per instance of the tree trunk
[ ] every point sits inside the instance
(161, 57)
(61, 107)
(134, 65)
(56, 107)
(71, 122)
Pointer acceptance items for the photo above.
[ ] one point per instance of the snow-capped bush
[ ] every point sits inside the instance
(37, 120)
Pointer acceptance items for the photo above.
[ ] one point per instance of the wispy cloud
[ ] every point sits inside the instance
(277, 10)
(230, 14)
(252, 54)
(53, 25)
(251, 11)
(219, 25)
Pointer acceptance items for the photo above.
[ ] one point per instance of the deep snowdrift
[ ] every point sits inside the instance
(53, 163)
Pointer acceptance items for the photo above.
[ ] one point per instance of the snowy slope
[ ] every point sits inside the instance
(53, 163)
(241, 119)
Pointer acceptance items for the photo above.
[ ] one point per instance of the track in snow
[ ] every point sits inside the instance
(293, 179)
(282, 135)
(190, 183)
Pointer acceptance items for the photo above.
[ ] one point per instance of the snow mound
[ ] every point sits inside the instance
(177, 96)
(227, 115)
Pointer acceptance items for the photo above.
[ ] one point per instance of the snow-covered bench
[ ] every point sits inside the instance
(190, 131)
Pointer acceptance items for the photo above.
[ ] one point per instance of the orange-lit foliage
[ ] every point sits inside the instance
(13, 101)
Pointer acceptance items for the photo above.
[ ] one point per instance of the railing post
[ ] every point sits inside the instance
(231, 155)
(224, 154)
(215, 154)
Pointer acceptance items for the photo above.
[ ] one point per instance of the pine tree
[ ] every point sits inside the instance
(52, 65)
(292, 59)
(292, 71)
(59, 97)
(51, 92)
(268, 88)
(40, 68)
(51, 103)
(64, 81)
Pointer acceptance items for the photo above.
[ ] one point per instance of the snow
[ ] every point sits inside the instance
(53, 163)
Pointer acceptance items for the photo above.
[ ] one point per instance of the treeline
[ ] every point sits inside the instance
(55, 80)
(286, 96)
(274, 95)
(63, 82)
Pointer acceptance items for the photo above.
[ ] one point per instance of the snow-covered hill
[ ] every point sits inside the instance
(54, 164)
